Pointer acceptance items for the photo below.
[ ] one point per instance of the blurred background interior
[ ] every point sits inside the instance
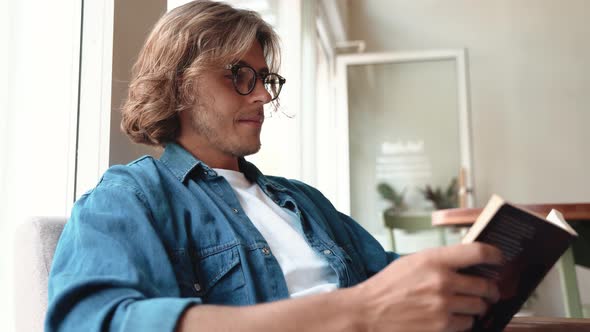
(390, 107)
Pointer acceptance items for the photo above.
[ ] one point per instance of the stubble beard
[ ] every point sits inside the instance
(202, 118)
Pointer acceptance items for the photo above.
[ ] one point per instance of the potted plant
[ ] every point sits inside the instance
(449, 198)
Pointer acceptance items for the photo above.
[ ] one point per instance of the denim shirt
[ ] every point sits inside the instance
(157, 236)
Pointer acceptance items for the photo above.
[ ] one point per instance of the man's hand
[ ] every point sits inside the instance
(424, 291)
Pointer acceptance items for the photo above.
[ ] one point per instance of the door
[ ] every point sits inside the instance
(402, 120)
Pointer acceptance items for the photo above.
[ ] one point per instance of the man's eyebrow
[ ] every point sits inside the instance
(260, 70)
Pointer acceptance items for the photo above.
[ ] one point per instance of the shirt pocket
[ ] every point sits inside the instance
(184, 272)
(220, 278)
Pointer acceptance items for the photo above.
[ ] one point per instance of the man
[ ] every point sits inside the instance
(200, 240)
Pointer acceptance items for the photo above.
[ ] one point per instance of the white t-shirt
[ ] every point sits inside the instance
(306, 272)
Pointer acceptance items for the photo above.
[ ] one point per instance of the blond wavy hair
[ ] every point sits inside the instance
(185, 42)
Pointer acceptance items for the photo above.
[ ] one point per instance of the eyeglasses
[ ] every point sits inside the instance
(244, 79)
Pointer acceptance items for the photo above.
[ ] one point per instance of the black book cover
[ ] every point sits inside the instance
(531, 245)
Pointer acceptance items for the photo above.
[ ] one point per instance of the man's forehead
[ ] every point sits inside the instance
(254, 58)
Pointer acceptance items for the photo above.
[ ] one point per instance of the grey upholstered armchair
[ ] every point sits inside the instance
(35, 243)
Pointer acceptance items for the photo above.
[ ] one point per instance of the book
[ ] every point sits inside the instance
(530, 244)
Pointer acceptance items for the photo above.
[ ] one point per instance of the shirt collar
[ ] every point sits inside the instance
(253, 174)
(181, 163)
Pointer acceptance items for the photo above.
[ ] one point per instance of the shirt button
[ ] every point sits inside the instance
(197, 287)
(327, 252)
(235, 210)
(266, 251)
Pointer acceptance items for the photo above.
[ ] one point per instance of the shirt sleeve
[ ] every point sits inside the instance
(111, 271)
(371, 251)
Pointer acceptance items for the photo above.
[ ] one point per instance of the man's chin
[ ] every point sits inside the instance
(247, 151)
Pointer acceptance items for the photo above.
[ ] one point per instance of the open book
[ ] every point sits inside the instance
(530, 243)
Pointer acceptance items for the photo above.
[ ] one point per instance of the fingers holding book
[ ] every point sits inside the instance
(427, 288)
(464, 255)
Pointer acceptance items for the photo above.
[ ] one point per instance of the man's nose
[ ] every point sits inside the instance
(260, 93)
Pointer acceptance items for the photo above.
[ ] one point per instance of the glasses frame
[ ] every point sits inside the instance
(262, 77)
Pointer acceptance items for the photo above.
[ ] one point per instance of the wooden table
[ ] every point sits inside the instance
(572, 212)
(467, 216)
(548, 324)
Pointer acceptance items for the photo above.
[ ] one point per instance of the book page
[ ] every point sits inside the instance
(484, 218)
(555, 217)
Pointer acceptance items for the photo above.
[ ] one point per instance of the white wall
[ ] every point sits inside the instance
(38, 121)
(530, 106)
(530, 72)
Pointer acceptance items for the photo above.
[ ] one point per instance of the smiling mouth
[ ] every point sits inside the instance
(256, 120)
(254, 123)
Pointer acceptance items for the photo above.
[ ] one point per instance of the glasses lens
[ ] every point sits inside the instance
(244, 80)
(272, 84)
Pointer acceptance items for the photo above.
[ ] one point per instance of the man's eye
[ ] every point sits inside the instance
(241, 78)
